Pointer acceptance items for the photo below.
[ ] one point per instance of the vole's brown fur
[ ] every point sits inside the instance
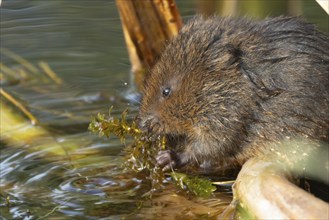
(225, 88)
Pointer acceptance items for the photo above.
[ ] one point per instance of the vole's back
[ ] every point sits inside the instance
(288, 71)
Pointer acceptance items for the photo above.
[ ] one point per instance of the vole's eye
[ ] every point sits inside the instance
(166, 92)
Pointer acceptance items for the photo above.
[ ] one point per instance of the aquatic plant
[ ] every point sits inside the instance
(141, 154)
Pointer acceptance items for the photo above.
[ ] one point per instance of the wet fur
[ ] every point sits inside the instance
(238, 85)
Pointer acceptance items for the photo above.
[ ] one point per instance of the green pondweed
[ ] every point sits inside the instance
(141, 154)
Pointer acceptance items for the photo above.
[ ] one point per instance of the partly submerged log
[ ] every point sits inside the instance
(263, 188)
(147, 25)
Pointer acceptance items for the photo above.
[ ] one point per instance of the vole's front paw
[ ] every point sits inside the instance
(168, 159)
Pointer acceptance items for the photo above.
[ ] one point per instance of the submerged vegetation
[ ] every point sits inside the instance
(141, 154)
(25, 70)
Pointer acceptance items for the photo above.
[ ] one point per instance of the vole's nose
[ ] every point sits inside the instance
(146, 123)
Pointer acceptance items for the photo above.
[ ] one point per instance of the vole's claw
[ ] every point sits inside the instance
(166, 160)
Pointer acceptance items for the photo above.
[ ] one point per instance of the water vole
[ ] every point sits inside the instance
(225, 88)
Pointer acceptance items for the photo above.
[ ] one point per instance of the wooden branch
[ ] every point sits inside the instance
(147, 25)
(264, 190)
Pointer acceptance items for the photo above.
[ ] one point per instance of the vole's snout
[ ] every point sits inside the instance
(148, 123)
(141, 122)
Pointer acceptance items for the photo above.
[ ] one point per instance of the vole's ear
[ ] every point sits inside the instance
(235, 55)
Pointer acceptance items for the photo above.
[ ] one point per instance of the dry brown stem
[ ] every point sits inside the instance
(147, 25)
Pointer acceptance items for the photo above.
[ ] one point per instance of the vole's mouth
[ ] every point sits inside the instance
(175, 141)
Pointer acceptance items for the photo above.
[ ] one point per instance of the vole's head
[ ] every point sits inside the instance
(169, 104)
(172, 91)
(187, 92)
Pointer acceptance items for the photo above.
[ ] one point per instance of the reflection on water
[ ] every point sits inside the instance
(82, 42)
